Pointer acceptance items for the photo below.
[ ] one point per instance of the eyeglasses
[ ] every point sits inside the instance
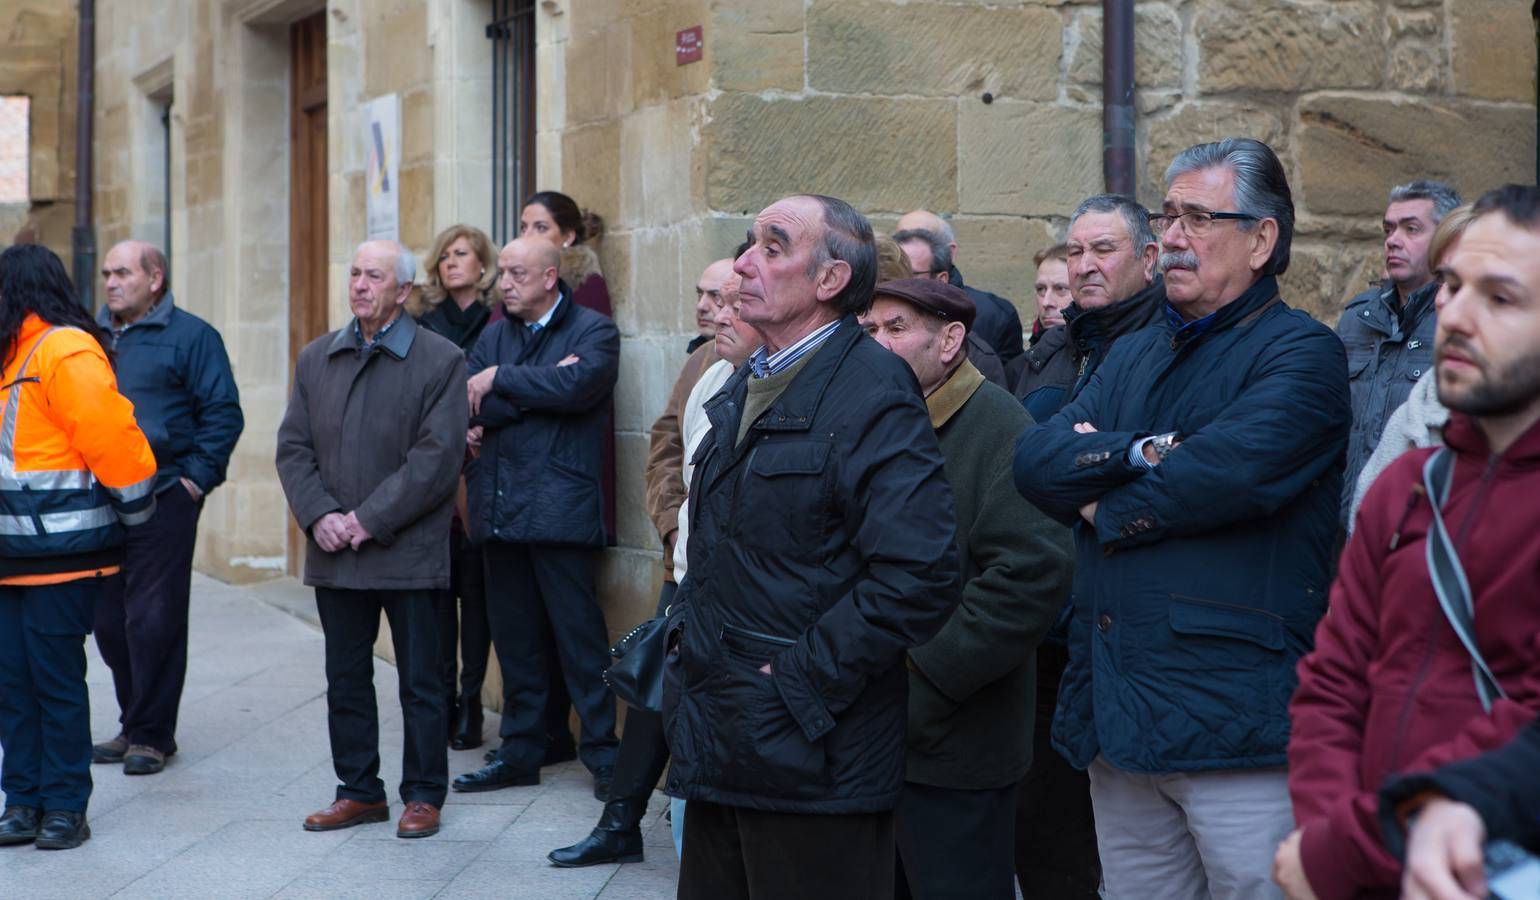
(1195, 224)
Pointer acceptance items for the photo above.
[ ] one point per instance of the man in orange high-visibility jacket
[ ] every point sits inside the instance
(74, 470)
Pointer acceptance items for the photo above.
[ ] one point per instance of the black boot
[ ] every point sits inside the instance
(19, 824)
(465, 731)
(62, 830)
(618, 839)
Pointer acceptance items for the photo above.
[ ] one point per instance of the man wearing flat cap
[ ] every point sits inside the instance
(972, 687)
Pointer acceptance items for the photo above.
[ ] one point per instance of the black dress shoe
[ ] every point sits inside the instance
(490, 755)
(618, 839)
(603, 777)
(465, 733)
(495, 774)
(19, 824)
(62, 830)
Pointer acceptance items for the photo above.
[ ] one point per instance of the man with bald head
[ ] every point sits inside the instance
(998, 322)
(369, 455)
(539, 391)
(173, 367)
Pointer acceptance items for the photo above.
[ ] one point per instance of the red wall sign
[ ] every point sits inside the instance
(688, 45)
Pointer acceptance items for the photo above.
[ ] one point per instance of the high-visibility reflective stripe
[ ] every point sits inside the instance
(140, 517)
(134, 491)
(59, 522)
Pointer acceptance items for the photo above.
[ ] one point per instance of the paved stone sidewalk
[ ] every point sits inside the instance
(223, 819)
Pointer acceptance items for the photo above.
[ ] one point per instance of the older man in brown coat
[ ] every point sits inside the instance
(369, 454)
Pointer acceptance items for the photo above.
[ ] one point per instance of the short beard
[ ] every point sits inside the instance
(1501, 391)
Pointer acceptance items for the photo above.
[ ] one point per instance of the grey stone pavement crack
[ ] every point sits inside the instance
(223, 819)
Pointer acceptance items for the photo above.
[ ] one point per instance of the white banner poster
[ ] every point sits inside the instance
(384, 141)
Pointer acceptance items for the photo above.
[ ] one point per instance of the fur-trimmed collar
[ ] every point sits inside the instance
(578, 264)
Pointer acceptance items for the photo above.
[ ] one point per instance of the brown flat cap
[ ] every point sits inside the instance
(944, 300)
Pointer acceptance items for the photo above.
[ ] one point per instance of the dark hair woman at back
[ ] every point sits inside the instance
(75, 470)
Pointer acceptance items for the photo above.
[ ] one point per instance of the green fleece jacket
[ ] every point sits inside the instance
(972, 687)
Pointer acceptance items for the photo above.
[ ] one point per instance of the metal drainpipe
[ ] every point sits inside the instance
(1118, 96)
(83, 235)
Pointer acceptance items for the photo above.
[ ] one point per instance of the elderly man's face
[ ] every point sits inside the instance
(708, 295)
(526, 277)
(1408, 232)
(130, 287)
(373, 292)
(1104, 265)
(781, 285)
(1488, 342)
(929, 345)
(1208, 266)
(735, 338)
(1052, 287)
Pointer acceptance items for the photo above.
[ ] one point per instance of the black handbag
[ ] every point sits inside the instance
(637, 675)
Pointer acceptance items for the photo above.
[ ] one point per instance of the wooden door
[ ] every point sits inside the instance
(308, 227)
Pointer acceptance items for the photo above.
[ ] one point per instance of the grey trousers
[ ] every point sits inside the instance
(1190, 835)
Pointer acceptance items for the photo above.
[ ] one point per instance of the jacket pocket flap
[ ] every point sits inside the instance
(789, 458)
(1203, 617)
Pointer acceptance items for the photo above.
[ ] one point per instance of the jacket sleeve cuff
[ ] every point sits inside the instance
(313, 512)
(378, 530)
(811, 713)
(1327, 872)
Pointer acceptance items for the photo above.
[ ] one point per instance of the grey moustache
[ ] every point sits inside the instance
(1184, 259)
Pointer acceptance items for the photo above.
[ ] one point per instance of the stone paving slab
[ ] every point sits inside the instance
(223, 820)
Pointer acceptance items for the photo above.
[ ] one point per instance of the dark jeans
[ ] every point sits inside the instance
(731, 853)
(141, 621)
(532, 588)
(350, 621)
(467, 585)
(955, 844)
(643, 750)
(45, 709)
(1056, 856)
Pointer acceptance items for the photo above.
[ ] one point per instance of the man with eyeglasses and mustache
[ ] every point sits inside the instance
(1201, 467)
(1390, 686)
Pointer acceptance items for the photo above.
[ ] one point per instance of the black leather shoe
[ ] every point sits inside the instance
(19, 824)
(495, 774)
(618, 839)
(465, 734)
(62, 830)
(603, 776)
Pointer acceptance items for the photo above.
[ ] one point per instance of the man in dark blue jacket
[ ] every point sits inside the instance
(173, 366)
(539, 392)
(1202, 467)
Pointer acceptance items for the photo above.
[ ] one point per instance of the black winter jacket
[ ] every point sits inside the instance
(537, 479)
(172, 365)
(997, 321)
(824, 545)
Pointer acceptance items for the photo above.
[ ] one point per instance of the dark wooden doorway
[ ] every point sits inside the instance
(308, 258)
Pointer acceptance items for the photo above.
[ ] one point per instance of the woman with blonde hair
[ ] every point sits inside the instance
(456, 303)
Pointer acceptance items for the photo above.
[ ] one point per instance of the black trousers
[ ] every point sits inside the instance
(350, 621)
(462, 611)
(528, 588)
(141, 621)
(731, 853)
(45, 709)
(955, 844)
(1056, 856)
(643, 751)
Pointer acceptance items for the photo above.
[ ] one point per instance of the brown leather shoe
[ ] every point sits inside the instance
(345, 814)
(419, 820)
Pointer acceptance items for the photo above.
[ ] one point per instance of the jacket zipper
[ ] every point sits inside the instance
(755, 635)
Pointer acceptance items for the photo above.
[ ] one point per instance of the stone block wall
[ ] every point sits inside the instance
(40, 61)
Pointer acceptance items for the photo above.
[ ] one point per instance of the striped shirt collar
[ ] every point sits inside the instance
(763, 365)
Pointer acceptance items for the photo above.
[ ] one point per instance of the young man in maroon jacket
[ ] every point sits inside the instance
(1389, 687)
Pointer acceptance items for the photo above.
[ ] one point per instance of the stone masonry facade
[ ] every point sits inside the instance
(882, 103)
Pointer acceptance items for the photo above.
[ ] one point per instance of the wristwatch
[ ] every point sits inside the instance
(1163, 444)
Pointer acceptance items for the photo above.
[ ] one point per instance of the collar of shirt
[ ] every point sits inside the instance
(1184, 329)
(544, 320)
(365, 343)
(763, 364)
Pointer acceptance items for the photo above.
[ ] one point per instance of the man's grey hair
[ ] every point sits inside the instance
(406, 263)
(940, 247)
(1443, 197)
(1136, 217)
(847, 237)
(946, 232)
(152, 259)
(1261, 187)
